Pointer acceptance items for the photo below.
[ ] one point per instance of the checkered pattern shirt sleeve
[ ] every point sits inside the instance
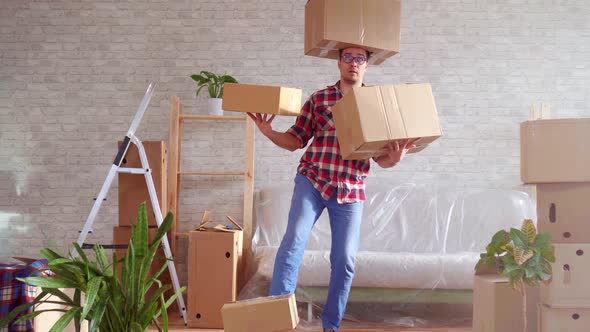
(322, 163)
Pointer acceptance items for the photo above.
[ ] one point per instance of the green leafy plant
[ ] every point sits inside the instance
(110, 303)
(213, 82)
(521, 255)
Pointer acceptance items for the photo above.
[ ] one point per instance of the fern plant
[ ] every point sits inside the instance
(521, 255)
(110, 304)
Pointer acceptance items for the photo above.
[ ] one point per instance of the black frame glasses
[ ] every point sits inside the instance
(359, 59)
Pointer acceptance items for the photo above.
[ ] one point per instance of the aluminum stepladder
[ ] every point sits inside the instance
(146, 171)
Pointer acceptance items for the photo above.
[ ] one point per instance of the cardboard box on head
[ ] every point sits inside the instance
(332, 25)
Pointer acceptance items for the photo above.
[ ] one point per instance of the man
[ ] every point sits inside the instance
(324, 180)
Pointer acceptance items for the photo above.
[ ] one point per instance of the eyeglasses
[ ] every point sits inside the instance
(359, 59)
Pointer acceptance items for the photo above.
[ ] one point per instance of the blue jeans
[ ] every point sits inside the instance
(307, 205)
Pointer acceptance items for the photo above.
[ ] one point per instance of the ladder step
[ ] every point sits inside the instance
(105, 246)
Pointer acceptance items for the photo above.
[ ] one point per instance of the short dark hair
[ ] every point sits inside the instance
(342, 50)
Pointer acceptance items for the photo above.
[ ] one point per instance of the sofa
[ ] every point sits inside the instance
(419, 243)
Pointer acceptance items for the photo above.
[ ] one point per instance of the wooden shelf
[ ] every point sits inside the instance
(211, 117)
(177, 119)
(211, 173)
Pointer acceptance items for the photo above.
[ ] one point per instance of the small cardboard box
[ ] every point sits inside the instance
(331, 25)
(133, 188)
(263, 314)
(214, 260)
(498, 308)
(555, 150)
(367, 118)
(569, 287)
(563, 319)
(564, 212)
(261, 99)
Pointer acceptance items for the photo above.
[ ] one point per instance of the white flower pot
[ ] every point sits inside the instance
(214, 106)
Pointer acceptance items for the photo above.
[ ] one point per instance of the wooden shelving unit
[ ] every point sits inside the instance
(175, 173)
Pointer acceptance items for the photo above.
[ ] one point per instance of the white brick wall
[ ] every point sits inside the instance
(72, 74)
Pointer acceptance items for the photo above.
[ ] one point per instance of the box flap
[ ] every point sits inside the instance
(205, 225)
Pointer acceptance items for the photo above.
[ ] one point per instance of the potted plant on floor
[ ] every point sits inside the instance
(109, 303)
(214, 84)
(521, 255)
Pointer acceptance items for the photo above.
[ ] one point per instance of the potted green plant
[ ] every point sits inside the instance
(214, 84)
(109, 303)
(521, 255)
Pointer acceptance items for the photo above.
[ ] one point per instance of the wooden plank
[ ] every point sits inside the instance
(248, 190)
(173, 159)
(211, 117)
(210, 173)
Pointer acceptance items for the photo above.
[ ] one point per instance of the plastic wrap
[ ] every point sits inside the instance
(418, 248)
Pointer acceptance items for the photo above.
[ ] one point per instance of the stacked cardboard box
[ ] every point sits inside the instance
(497, 307)
(555, 156)
(132, 191)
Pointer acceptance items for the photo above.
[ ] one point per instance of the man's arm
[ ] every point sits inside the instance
(283, 140)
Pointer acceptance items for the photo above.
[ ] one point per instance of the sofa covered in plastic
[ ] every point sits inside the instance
(418, 243)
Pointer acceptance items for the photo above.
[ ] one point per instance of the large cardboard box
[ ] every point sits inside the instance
(563, 319)
(555, 150)
(367, 118)
(569, 287)
(498, 308)
(331, 25)
(133, 188)
(264, 314)
(214, 263)
(261, 99)
(564, 212)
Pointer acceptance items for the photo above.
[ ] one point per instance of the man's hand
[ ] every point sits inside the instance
(283, 140)
(394, 152)
(263, 122)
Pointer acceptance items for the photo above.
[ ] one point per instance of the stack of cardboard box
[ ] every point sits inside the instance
(132, 191)
(555, 156)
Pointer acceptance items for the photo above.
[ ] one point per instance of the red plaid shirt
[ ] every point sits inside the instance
(321, 163)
